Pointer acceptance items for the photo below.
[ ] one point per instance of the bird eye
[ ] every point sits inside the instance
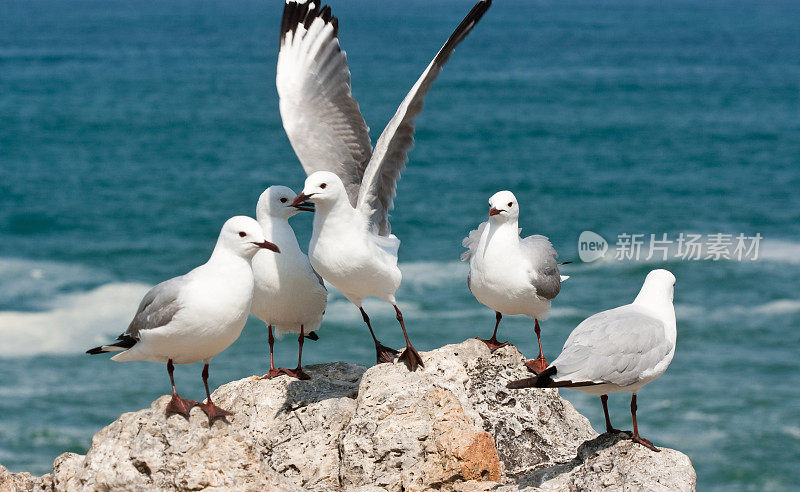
(323, 185)
(510, 204)
(242, 234)
(283, 200)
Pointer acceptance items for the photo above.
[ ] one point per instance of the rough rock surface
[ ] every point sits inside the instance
(16, 482)
(452, 426)
(616, 463)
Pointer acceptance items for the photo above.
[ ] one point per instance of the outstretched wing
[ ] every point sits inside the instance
(616, 346)
(544, 275)
(376, 195)
(323, 121)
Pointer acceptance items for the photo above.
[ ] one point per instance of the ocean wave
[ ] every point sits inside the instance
(434, 273)
(779, 307)
(28, 283)
(343, 311)
(53, 307)
(72, 322)
(58, 308)
(778, 250)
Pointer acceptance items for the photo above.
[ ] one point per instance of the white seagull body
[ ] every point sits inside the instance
(195, 316)
(352, 256)
(344, 251)
(288, 294)
(352, 246)
(510, 274)
(621, 349)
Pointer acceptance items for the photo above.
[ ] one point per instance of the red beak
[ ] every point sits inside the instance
(493, 211)
(305, 206)
(268, 245)
(301, 201)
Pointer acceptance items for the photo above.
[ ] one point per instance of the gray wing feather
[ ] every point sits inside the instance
(376, 195)
(322, 120)
(615, 346)
(158, 307)
(544, 275)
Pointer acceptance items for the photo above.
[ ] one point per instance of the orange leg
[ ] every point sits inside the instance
(178, 405)
(492, 343)
(636, 437)
(298, 372)
(539, 364)
(410, 356)
(214, 412)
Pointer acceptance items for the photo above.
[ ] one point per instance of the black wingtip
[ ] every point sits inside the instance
(565, 263)
(542, 380)
(523, 383)
(296, 13)
(312, 335)
(466, 25)
(124, 342)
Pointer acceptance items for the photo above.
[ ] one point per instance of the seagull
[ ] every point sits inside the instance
(195, 316)
(352, 185)
(288, 293)
(509, 274)
(621, 349)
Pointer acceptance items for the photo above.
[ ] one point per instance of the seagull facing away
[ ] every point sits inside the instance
(621, 349)
(288, 294)
(198, 315)
(352, 185)
(509, 274)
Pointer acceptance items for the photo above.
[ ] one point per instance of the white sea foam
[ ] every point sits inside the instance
(59, 322)
(792, 430)
(779, 307)
(35, 281)
(434, 273)
(781, 251)
(73, 323)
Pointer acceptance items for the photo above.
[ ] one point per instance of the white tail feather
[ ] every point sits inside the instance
(112, 348)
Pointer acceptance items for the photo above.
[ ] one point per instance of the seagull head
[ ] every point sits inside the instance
(659, 284)
(503, 206)
(322, 188)
(244, 237)
(276, 201)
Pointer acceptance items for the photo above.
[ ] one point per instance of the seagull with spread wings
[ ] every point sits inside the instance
(352, 185)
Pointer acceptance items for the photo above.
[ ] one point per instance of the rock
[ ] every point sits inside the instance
(284, 433)
(615, 462)
(455, 421)
(18, 482)
(450, 426)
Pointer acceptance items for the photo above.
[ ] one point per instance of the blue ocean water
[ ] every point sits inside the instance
(129, 131)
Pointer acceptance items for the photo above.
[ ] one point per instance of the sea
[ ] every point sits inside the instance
(131, 130)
